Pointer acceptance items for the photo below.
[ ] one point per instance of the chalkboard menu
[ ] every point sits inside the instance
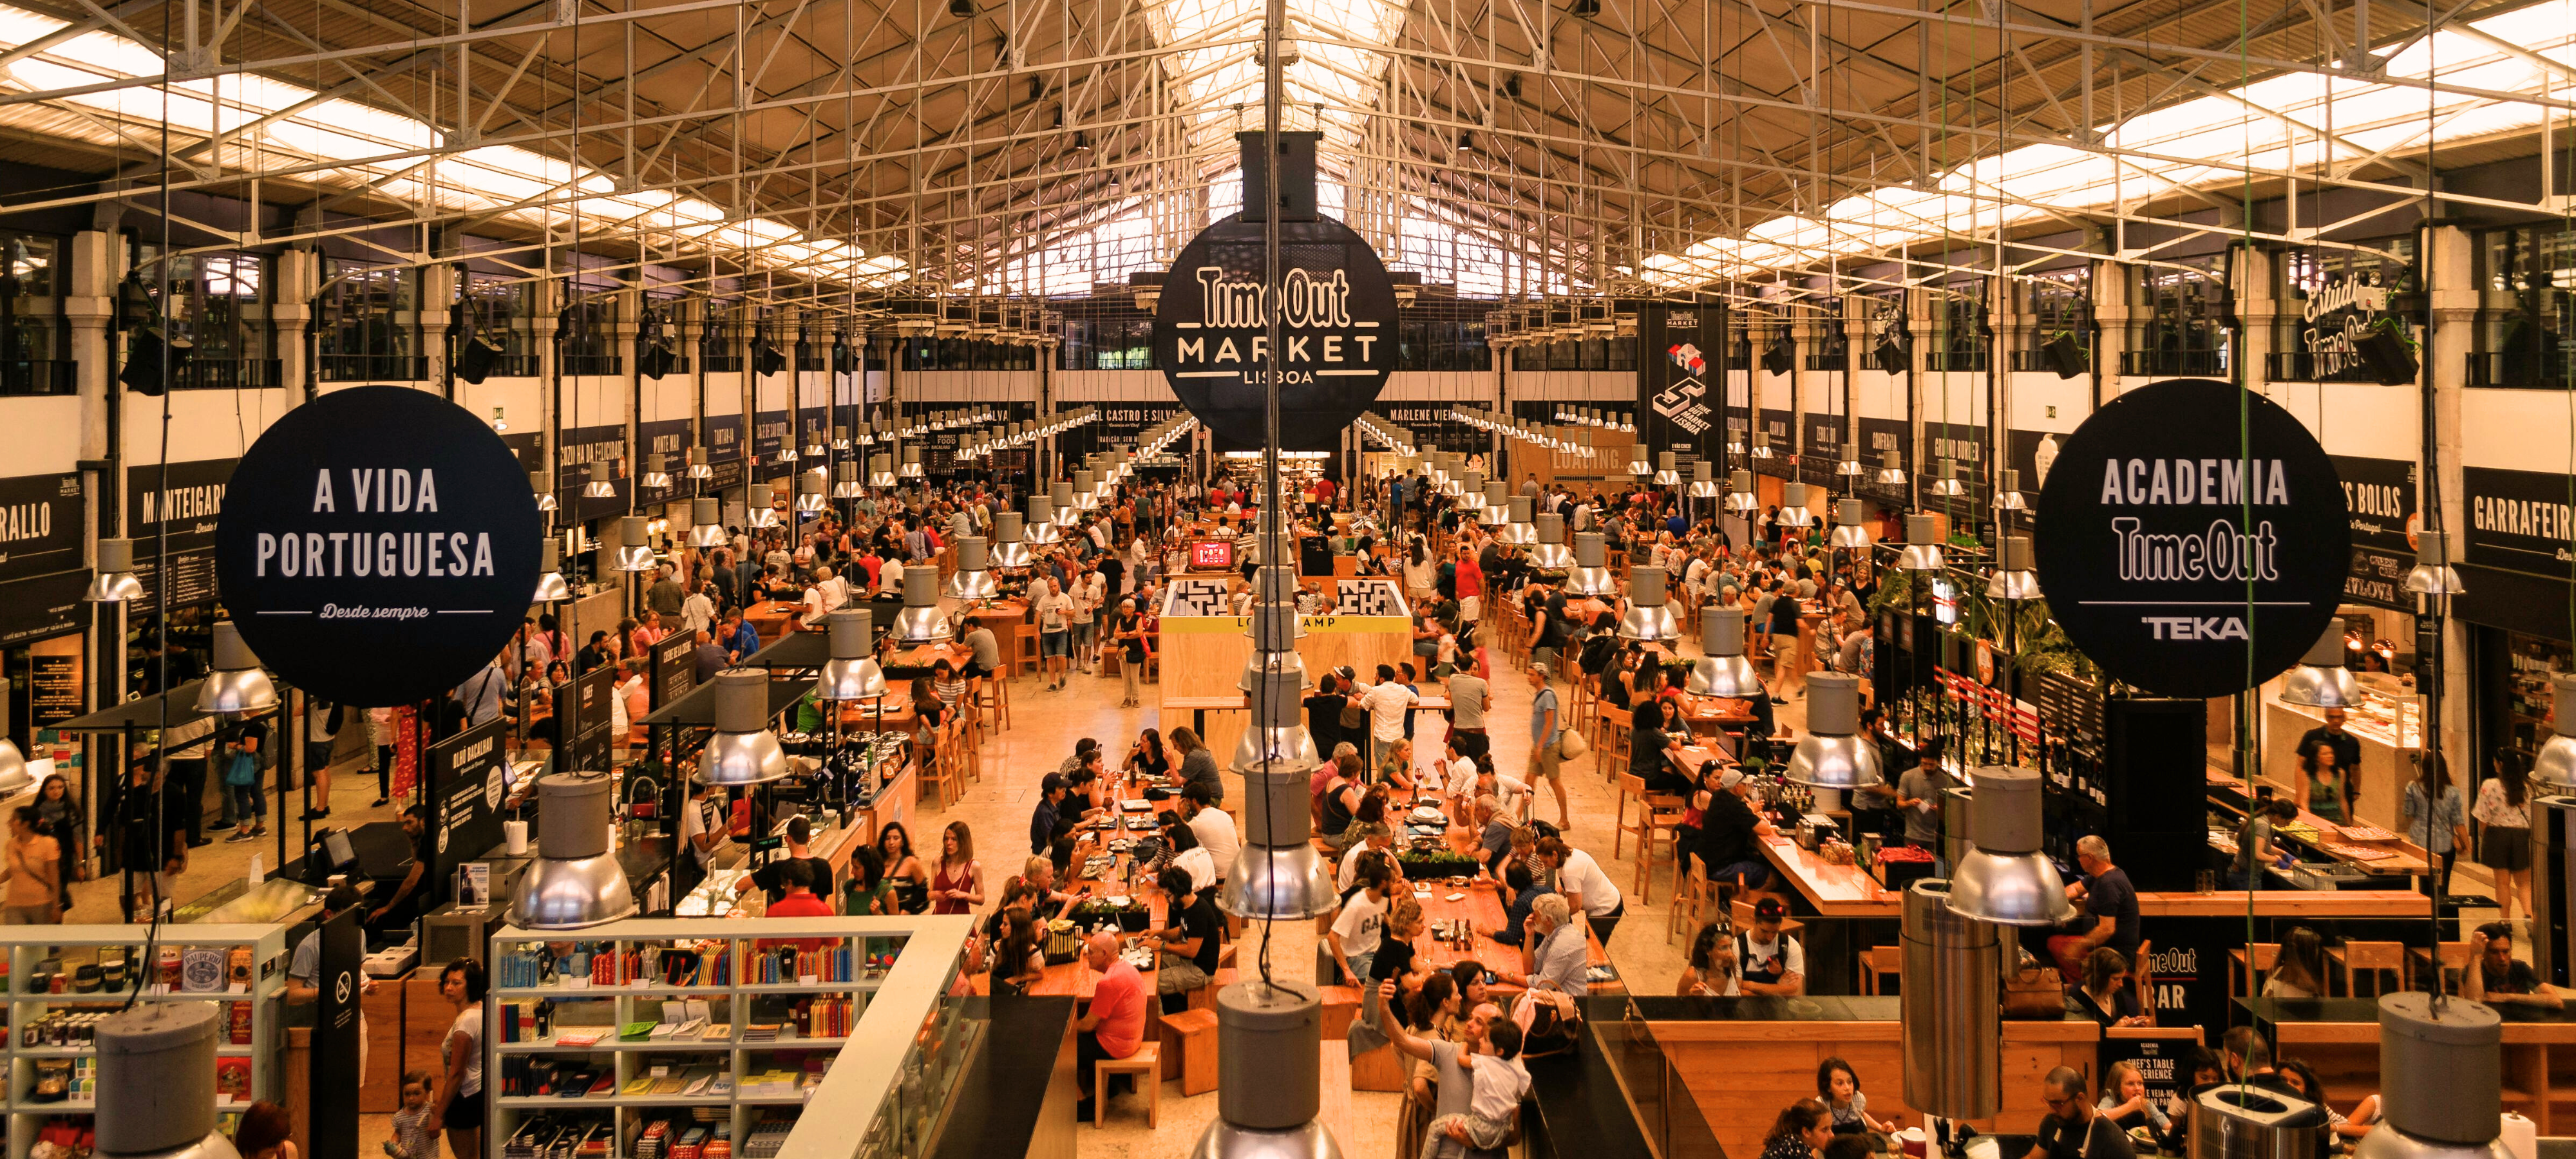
(53, 690)
(188, 503)
(675, 668)
(467, 781)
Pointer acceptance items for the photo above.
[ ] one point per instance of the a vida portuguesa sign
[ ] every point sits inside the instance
(377, 546)
(2184, 555)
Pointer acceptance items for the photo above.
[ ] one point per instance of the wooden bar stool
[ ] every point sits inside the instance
(2432, 980)
(1188, 1040)
(2243, 980)
(2373, 957)
(1879, 962)
(1147, 1065)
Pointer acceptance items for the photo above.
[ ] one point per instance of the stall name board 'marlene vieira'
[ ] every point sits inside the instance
(2184, 555)
(377, 546)
(1335, 308)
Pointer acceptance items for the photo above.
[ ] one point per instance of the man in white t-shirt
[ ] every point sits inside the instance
(890, 576)
(1388, 703)
(1212, 826)
(1580, 879)
(1089, 589)
(1359, 927)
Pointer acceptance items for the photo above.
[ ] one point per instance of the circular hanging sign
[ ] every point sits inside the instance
(2184, 555)
(378, 546)
(1336, 310)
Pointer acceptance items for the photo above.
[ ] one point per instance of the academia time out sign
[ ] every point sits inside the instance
(1336, 311)
(377, 546)
(2192, 538)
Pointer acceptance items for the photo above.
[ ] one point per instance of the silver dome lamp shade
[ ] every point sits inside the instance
(1703, 484)
(812, 491)
(551, 588)
(1891, 469)
(1832, 755)
(1641, 462)
(2441, 1067)
(1009, 549)
(1648, 618)
(698, 468)
(1063, 510)
(1591, 575)
(654, 476)
(115, 581)
(2014, 578)
(840, 438)
(1793, 508)
(2321, 680)
(1922, 544)
(846, 483)
(911, 468)
(1086, 491)
(1722, 669)
(1497, 510)
(1740, 499)
(706, 523)
(156, 1084)
(881, 470)
(1041, 530)
(743, 751)
(602, 484)
(634, 545)
(1948, 486)
(574, 882)
(2008, 491)
(1550, 553)
(1667, 469)
(973, 579)
(852, 672)
(920, 622)
(863, 435)
(237, 686)
(757, 512)
(2433, 574)
(14, 776)
(1851, 526)
(1849, 466)
(1280, 739)
(2555, 766)
(814, 448)
(1516, 528)
(2004, 878)
(1761, 445)
(543, 484)
(1277, 875)
(787, 454)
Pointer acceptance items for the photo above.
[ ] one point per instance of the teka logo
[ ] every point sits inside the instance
(1687, 357)
(2196, 627)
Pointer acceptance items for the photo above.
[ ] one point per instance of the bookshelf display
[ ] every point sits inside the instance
(687, 1039)
(53, 1063)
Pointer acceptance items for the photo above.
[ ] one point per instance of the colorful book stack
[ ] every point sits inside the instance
(774, 965)
(827, 1017)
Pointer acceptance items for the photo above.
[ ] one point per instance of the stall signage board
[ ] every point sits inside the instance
(675, 667)
(468, 781)
(53, 690)
(377, 546)
(769, 433)
(2518, 521)
(1782, 427)
(1336, 311)
(583, 700)
(40, 525)
(2187, 558)
(721, 435)
(188, 497)
(576, 449)
(2379, 497)
(41, 607)
(668, 438)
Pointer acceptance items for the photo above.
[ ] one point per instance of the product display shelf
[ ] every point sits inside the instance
(737, 1082)
(242, 967)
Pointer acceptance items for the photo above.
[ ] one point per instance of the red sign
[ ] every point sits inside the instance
(1212, 555)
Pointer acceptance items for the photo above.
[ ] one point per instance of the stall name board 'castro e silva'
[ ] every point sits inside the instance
(2185, 552)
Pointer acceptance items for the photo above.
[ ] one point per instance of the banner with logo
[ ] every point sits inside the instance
(1877, 438)
(770, 430)
(1820, 450)
(2518, 521)
(721, 435)
(189, 499)
(576, 448)
(2186, 556)
(2379, 495)
(668, 438)
(1782, 427)
(40, 525)
(1677, 377)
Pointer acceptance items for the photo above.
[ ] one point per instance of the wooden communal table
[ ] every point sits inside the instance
(1481, 904)
(918, 659)
(773, 618)
(1074, 979)
(1836, 891)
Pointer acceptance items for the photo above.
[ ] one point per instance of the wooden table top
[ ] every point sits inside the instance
(1004, 611)
(924, 655)
(1716, 710)
(2410, 859)
(1482, 906)
(1837, 891)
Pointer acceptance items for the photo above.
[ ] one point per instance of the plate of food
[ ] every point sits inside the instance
(2367, 833)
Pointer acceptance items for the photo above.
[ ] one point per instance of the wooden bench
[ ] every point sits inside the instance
(1188, 1040)
(1147, 1065)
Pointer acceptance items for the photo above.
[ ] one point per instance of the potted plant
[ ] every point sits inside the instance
(1436, 863)
(1131, 917)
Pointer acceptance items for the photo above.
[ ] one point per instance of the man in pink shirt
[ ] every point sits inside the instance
(1115, 1026)
(1471, 589)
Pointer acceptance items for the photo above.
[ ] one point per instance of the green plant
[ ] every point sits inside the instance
(1436, 863)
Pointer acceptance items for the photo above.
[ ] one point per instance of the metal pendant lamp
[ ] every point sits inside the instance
(551, 588)
(1793, 509)
(1740, 499)
(543, 485)
(574, 882)
(1922, 544)
(2433, 574)
(920, 622)
(1891, 469)
(602, 484)
(1497, 510)
(2014, 578)
(2008, 491)
(1041, 530)
(1722, 669)
(2321, 680)
(698, 468)
(1761, 445)
(1062, 510)
(1086, 492)
(1591, 575)
(1641, 463)
(1647, 619)
(1948, 486)
(237, 686)
(634, 545)
(1667, 470)
(654, 476)
(706, 523)
(1832, 755)
(863, 435)
(911, 468)
(115, 581)
(743, 751)
(1849, 466)
(1009, 548)
(757, 512)
(973, 579)
(1851, 526)
(1703, 484)
(1516, 528)
(852, 672)
(846, 484)
(2005, 879)
(811, 490)
(2441, 1066)
(1549, 552)
(1277, 874)
(881, 470)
